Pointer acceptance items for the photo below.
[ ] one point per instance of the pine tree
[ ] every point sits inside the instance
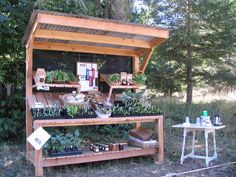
(202, 35)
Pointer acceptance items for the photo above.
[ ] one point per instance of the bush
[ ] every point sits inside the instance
(12, 117)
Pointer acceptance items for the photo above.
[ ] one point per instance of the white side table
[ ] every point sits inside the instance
(207, 130)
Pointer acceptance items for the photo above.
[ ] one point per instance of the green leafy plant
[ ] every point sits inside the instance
(114, 78)
(72, 77)
(139, 78)
(129, 95)
(120, 110)
(57, 75)
(103, 110)
(73, 110)
(60, 141)
(46, 112)
(12, 117)
(135, 107)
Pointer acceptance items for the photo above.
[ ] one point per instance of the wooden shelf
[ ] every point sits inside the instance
(95, 121)
(89, 156)
(37, 84)
(104, 77)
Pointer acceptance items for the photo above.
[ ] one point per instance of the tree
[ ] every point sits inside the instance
(13, 17)
(200, 38)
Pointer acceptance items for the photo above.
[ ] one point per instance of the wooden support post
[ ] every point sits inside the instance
(109, 94)
(135, 63)
(160, 139)
(29, 130)
(38, 158)
(28, 87)
(135, 67)
(146, 60)
(138, 124)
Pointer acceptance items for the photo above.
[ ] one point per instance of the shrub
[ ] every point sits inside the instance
(12, 117)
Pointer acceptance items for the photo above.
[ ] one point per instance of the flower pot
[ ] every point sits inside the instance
(58, 82)
(65, 152)
(100, 115)
(73, 83)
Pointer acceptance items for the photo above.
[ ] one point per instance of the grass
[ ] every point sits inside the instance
(13, 162)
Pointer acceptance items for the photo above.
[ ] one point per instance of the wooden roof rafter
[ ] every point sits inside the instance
(75, 33)
(84, 49)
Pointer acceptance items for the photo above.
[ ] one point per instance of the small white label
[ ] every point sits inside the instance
(38, 138)
(43, 87)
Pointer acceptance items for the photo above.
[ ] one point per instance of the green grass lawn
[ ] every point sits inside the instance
(13, 162)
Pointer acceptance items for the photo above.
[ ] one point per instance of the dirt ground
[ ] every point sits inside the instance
(13, 162)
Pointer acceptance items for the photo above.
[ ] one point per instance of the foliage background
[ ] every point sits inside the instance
(199, 52)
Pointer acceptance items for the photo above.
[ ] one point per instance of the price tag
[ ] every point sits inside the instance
(38, 138)
(43, 87)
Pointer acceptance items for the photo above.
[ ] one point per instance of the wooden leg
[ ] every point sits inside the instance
(38, 160)
(159, 131)
(29, 130)
(138, 124)
(109, 95)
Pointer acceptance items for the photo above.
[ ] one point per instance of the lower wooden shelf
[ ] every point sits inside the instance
(89, 156)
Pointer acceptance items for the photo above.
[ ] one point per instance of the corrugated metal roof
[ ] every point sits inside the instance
(92, 32)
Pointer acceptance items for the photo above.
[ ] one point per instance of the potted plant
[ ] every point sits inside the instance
(57, 76)
(120, 111)
(114, 79)
(63, 144)
(103, 111)
(72, 110)
(139, 78)
(72, 78)
(46, 112)
(80, 111)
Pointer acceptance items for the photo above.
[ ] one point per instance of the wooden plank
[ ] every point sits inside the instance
(146, 60)
(103, 25)
(101, 39)
(105, 78)
(159, 131)
(157, 41)
(38, 156)
(84, 49)
(135, 67)
(32, 32)
(31, 101)
(57, 100)
(40, 98)
(29, 66)
(95, 121)
(49, 98)
(28, 86)
(93, 157)
(29, 130)
(55, 85)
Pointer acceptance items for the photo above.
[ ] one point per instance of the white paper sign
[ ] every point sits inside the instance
(88, 76)
(38, 138)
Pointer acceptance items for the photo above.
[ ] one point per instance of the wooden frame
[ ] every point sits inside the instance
(158, 152)
(89, 35)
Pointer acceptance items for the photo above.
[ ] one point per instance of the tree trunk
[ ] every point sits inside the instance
(189, 85)
(119, 9)
(189, 57)
(8, 87)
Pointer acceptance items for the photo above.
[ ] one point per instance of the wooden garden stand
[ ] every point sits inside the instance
(66, 32)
